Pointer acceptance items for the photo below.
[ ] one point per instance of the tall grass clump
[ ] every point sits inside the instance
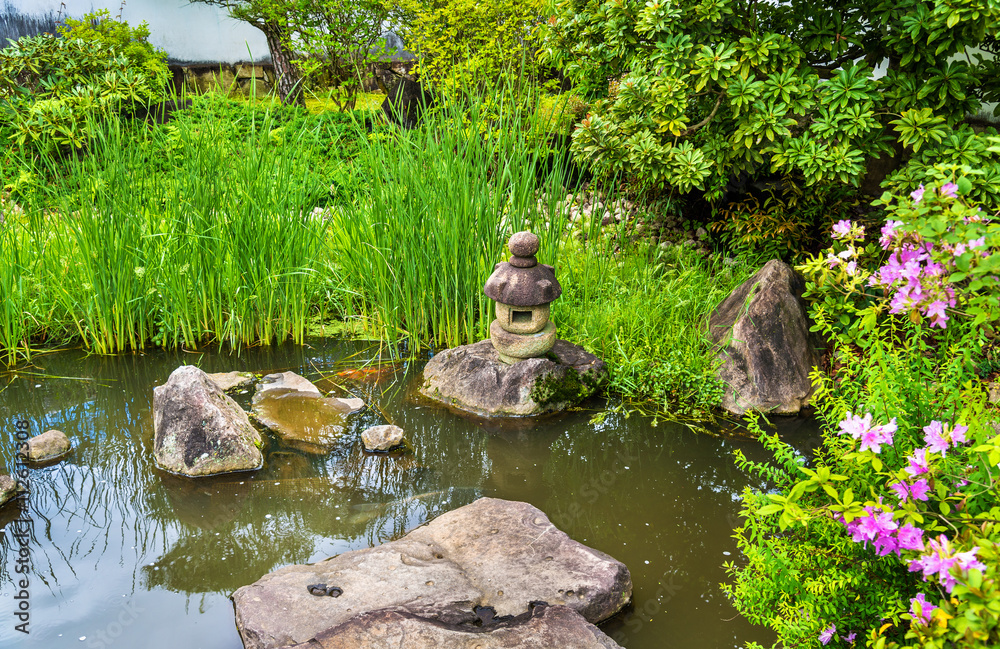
(174, 236)
(14, 289)
(642, 309)
(441, 200)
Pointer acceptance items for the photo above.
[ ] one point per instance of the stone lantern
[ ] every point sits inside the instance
(522, 289)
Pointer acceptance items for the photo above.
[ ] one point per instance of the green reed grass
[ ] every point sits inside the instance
(172, 236)
(14, 331)
(441, 201)
(643, 309)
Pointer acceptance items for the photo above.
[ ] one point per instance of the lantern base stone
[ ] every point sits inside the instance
(473, 379)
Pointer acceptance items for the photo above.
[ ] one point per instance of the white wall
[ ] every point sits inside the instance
(189, 32)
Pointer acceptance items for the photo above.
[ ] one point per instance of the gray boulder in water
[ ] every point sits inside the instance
(198, 430)
(767, 351)
(491, 553)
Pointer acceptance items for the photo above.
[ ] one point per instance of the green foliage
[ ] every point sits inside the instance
(786, 224)
(466, 46)
(99, 29)
(560, 113)
(822, 547)
(53, 90)
(689, 93)
(641, 310)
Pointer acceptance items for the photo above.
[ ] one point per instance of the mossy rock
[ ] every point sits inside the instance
(472, 379)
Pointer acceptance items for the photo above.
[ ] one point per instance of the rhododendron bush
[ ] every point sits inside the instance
(887, 533)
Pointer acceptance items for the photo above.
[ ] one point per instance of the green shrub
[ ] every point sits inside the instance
(786, 224)
(53, 90)
(98, 28)
(464, 45)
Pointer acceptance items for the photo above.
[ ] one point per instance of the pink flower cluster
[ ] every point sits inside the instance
(872, 437)
(878, 526)
(917, 281)
(921, 609)
(939, 436)
(917, 272)
(939, 558)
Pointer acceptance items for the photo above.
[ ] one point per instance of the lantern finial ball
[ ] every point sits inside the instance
(523, 244)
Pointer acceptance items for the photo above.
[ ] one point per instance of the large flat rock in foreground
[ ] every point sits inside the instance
(492, 552)
(545, 627)
(472, 378)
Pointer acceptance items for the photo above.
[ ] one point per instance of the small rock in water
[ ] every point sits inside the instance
(382, 438)
(49, 445)
(229, 381)
(8, 488)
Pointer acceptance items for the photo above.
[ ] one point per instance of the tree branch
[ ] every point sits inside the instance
(711, 116)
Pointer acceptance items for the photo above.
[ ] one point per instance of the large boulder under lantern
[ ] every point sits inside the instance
(473, 379)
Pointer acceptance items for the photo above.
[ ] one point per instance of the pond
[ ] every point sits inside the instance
(125, 555)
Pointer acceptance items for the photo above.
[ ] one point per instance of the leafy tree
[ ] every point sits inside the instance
(276, 19)
(463, 45)
(690, 92)
(340, 38)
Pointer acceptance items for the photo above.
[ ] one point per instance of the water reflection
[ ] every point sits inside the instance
(112, 531)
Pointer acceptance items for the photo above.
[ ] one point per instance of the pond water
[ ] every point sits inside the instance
(124, 555)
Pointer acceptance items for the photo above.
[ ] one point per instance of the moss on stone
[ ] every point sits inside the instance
(571, 387)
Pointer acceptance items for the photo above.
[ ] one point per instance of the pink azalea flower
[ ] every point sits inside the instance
(950, 190)
(921, 609)
(889, 233)
(850, 637)
(910, 537)
(968, 561)
(934, 438)
(919, 489)
(827, 634)
(917, 194)
(917, 462)
(855, 426)
(841, 229)
(938, 560)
